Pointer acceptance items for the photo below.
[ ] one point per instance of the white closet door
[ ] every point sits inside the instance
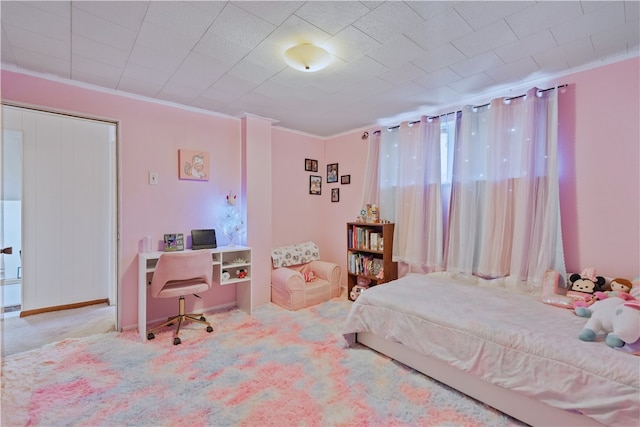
(68, 209)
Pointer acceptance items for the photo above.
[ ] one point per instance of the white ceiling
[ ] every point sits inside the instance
(392, 58)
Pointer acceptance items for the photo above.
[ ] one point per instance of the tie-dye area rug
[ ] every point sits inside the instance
(275, 368)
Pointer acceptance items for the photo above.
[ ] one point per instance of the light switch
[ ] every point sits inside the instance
(153, 178)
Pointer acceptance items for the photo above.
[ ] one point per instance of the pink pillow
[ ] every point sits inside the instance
(309, 276)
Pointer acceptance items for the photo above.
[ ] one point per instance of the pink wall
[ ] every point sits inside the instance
(600, 169)
(297, 215)
(150, 136)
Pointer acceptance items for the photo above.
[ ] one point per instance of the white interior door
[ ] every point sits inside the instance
(68, 208)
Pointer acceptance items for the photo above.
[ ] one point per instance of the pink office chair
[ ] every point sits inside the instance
(178, 274)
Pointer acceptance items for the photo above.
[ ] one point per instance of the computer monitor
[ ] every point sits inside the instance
(203, 239)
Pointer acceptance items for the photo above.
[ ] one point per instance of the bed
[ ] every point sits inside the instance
(504, 348)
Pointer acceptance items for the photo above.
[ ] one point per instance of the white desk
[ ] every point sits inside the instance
(223, 258)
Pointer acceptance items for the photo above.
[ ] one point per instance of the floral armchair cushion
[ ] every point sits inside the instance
(301, 253)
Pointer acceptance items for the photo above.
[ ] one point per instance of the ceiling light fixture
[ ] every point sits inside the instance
(307, 57)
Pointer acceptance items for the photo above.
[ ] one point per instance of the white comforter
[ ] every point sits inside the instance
(510, 339)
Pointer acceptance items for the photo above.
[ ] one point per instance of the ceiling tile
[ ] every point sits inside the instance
(139, 73)
(607, 42)
(514, 71)
(389, 21)
(432, 9)
(159, 38)
(572, 54)
(241, 27)
(38, 21)
(396, 51)
(438, 78)
(107, 55)
(103, 31)
(42, 63)
(477, 64)
(632, 10)
(128, 14)
(543, 15)
(154, 59)
(227, 56)
(401, 74)
(527, 46)
(140, 86)
(178, 93)
(482, 13)
(275, 12)
(485, 39)
(438, 31)
(221, 48)
(476, 82)
(188, 20)
(588, 24)
(350, 44)
(90, 71)
(251, 71)
(199, 71)
(37, 43)
(332, 16)
(438, 58)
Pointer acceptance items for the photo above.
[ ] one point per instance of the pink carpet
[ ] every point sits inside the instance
(273, 368)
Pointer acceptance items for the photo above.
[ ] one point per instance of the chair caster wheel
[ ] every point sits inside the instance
(209, 329)
(176, 341)
(150, 336)
(203, 318)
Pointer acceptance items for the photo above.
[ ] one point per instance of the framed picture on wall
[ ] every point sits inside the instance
(335, 194)
(345, 179)
(332, 172)
(315, 184)
(193, 165)
(311, 165)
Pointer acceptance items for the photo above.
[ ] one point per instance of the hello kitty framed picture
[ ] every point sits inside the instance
(193, 165)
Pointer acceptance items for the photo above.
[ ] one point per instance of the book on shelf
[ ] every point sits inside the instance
(365, 238)
(365, 265)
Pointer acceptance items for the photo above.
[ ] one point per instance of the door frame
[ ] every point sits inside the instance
(117, 287)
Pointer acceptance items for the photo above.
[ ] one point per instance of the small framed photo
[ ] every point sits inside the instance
(335, 195)
(173, 242)
(332, 172)
(310, 165)
(345, 179)
(315, 185)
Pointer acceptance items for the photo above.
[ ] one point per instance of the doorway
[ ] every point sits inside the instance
(66, 223)
(10, 263)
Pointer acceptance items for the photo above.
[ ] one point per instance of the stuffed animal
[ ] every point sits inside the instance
(241, 273)
(621, 285)
(619, 319)
(309, 276)
(356, 291)
(584, 285)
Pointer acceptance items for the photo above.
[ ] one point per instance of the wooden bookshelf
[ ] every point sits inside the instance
(370, 249)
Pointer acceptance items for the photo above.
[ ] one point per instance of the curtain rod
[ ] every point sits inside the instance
(475, 106)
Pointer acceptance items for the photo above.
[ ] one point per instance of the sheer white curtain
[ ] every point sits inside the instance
(411, 192)
(504, 216)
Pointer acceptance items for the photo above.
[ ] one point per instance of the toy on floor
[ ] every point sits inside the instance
(617, 318)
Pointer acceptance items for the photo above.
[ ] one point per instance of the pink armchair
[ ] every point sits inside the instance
(299, 279)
